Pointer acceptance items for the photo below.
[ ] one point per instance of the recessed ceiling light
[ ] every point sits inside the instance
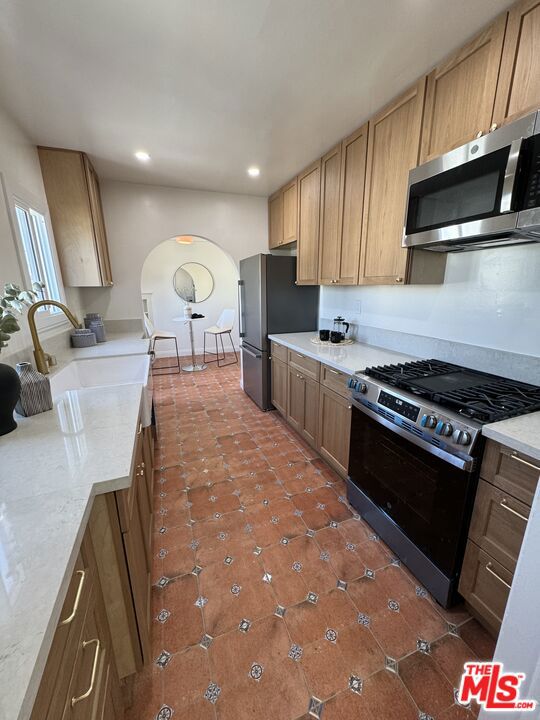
(253, 171)
(142, 156)
(184, 239)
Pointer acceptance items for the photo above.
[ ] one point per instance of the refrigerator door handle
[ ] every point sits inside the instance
(255, 355)
(241, 328)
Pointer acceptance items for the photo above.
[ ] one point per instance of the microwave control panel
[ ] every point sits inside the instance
(532, 185)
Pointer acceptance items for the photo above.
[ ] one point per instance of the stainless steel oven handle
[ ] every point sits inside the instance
(510, 176)
(241, 332)
(255, 355)
(466, 465)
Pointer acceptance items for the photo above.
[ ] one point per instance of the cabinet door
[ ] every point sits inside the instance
(310, 427)
(353, 176)
(518, 91)
(334, 429)
(102, 248)
(290, 212)
(279, 385)
(309, 194)
(460, 93)
(330, 228)
(393, 147)
(275, 220)
(295, 399)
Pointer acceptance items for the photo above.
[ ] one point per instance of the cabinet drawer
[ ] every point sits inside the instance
(54, 685)
(335, 380)
(498, 524)
(511, 471)
(485, 585)
(306, 365)
(278, 351)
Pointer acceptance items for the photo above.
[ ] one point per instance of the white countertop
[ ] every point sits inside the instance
(117, 344)
(520, 433)
(51, 467)
(352, 358)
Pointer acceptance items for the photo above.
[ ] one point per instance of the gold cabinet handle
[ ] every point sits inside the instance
(493, 127)
(504, 505)
(399, 279)
(479, 134)
(334, 372)
(499, 578)
(515, 456)
(139, 431)
(300, 356)
(75, 700)
(70, 617)
(142, 465)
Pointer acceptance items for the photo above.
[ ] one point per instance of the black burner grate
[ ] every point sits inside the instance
(473, 394)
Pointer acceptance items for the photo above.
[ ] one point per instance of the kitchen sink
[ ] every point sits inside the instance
(104, 372)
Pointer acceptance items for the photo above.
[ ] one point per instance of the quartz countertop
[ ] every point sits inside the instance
(117, 344)
(520, 433)
(352, 358)
(52, 466)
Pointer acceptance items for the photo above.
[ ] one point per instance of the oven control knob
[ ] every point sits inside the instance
(461, 437)
(428, 421)
(444, 428)
(357, 385)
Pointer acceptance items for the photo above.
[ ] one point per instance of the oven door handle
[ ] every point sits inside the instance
(466, 465)
(509, 182)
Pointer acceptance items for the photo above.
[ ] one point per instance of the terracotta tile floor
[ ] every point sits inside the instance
(272, 598)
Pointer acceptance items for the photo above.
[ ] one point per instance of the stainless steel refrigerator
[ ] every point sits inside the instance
(270, 302)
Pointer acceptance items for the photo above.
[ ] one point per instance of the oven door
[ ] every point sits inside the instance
(413, 488)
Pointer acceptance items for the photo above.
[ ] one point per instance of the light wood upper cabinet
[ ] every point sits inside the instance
(353, 177)
(330, 228)
(460, 93)
(73, 196)
(393, 148)
(275, 220)
(518, 91)
(290, 212)
(309, 195)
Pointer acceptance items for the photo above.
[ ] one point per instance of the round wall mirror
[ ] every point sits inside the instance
(193, 282)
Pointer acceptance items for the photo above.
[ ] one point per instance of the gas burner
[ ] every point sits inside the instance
(470, 393)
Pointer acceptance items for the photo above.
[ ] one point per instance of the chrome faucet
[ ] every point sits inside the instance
(43, 359)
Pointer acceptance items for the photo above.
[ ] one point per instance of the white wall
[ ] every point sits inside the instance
(19, 165)
(157, 279)
(139, 217)
(490, 298)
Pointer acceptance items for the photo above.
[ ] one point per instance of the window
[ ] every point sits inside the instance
(39, 255)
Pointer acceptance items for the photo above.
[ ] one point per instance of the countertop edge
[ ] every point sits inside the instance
(522, 446)
(312, 355)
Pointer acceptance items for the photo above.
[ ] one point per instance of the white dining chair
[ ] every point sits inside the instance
(154, 335)
(223, 327)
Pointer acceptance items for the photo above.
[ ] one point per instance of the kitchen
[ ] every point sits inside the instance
(348, 551)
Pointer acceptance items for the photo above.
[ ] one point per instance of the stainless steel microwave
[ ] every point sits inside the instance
(483, 194)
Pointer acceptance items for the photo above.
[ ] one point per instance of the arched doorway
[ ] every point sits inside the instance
(188, 269)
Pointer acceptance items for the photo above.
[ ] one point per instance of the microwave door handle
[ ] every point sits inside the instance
(509, 182)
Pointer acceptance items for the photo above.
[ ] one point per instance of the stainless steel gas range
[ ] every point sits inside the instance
(415, 454)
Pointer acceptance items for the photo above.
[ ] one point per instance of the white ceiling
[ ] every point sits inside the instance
(209, 87)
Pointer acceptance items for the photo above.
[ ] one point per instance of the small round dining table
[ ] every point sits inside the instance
(195, 366)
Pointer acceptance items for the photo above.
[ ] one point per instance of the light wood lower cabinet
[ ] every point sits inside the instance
(303, 405)
(103, 634)
(334, 429)
(319, 411)
(501, 511)
(279, 385)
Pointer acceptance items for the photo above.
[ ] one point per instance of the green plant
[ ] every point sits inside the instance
(14, 300)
